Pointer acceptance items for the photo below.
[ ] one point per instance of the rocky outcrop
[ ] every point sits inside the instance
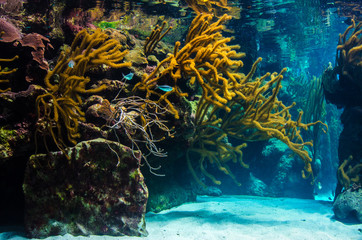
(96, 188)
(349, 204)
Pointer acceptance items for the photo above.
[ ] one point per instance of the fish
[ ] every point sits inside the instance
(165, 88)
(71, 64)
(128, 77)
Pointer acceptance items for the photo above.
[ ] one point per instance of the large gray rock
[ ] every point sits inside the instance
(349, 203)
(99, 189)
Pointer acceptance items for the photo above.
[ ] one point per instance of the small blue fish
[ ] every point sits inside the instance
(165, 88)
(71, 64)
(128, 77)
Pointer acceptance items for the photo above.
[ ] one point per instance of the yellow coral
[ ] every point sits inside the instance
(59, 109)
(254, 116)
(7, 73)
(349, 52)
(237, 106)
(208, 6)
(232, 105)
(154, 38)
(205, 58)
(351, 175)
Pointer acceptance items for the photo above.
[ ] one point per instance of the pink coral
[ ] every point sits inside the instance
(9, 32)
(39, 43)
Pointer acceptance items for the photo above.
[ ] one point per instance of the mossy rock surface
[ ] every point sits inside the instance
(96, 188)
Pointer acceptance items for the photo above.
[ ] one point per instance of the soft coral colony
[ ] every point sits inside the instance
(232, 105)
(59, 109)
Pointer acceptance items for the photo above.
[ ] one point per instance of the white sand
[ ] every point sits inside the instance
(240, 218)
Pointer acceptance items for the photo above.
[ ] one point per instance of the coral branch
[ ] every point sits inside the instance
(59, 109)
(155, 37)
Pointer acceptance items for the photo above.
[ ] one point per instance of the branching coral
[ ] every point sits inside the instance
(59, 109)
(205, 58)
(349, 53)
(207, 6)
(349, 9)
(5, 73)
(155, 37)
(232, 105)
(256, 114)
(350, 175)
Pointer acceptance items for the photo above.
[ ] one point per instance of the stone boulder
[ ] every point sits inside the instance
(349, 204)
(96, 188)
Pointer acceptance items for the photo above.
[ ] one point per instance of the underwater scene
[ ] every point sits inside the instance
(181, 119)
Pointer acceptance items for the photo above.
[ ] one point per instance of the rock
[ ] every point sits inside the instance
(208, 191)
(168, 198)
(17, 119)
(96, 189)
(255, 186)
(349, 203)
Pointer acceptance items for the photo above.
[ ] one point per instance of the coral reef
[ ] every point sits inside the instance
(135, 92)
(38, 44)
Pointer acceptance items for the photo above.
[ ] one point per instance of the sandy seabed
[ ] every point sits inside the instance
(238, 218)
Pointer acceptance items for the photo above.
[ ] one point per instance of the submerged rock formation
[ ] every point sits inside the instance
(349, 204)
(97, 188)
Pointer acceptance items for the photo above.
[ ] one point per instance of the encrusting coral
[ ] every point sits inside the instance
(59, 109)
